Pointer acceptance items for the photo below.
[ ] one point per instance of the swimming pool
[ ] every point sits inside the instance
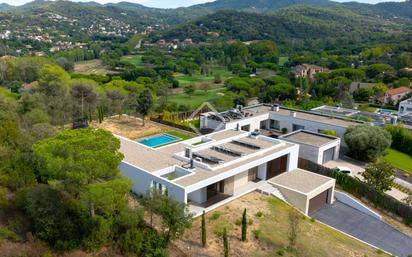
(158, 140)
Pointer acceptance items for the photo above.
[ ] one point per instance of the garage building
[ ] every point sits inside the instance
(306, 190)
(315, 147)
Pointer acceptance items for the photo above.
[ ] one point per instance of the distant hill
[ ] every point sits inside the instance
(6, 7)
(257, 5)
(296, 26)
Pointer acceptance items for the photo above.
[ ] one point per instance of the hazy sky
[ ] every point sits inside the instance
(162, 3)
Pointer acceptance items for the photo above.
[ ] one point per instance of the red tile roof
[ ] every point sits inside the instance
(399, 90)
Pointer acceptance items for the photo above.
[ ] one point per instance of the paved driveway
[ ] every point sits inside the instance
(365, 228)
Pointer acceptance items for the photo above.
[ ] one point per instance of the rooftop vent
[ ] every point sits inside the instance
(275, 108)
(293, 114)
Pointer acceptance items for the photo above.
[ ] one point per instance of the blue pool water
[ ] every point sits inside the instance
(158, 140)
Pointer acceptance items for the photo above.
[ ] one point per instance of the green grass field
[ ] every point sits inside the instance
(198, 97)
(197, 78)
(136, 60)
(283, 60)
(399, 160)
(366, 108)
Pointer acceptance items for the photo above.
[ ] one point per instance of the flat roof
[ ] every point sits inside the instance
(305, 115)
(309, 138)
(300, 180)
(155, 159)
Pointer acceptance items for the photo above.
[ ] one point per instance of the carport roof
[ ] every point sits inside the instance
(309, 138)
(299, 180)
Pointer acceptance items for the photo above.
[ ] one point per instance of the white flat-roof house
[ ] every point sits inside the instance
(208, 171)
(405, 107)
(273, 118)
(315, 147)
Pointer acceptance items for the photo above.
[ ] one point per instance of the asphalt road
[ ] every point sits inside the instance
(365, 228)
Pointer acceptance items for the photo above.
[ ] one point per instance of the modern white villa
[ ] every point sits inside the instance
(208, 171)
(275, 119)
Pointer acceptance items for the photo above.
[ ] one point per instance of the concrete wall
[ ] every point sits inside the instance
(229, 186)
(346, 199)
(240, 179)
(262, 171)
(311, 125)
(198, 196)
(142, 182)
(295, 198)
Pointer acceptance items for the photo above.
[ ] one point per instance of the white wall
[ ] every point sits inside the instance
(262, 171)
(142, 182)
(346, 199)
(198, 196)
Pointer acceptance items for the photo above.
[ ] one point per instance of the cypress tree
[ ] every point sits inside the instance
(203, 230)
(225, 243)
(244, 225)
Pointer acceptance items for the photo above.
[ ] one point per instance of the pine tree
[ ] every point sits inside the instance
(203, 230)
(244, 225)
(225, 243)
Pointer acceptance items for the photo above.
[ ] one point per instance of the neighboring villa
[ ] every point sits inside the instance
(275, 120)
(208, 171)
(395, 95)
(307, 70)
(405, 107)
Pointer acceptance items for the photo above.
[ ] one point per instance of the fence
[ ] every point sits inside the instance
(361, 190)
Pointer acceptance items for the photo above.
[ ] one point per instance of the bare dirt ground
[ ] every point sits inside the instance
(92, 67)
(314, 239)
(130, 127)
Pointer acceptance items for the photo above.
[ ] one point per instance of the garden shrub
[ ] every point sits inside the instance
(401, 138)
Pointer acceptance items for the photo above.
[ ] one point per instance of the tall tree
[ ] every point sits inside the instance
(244, 225)
(379, 175)
(203, 229)
(145, 104)
(225, 243)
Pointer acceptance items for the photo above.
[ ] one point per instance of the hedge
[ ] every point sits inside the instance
(362, 190)
(401, 138)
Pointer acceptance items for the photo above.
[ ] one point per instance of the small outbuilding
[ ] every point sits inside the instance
(315, 147)
(306, 190)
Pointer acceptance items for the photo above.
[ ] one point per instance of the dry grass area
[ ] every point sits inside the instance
(314, 239)
(91, 67)
(130, 127)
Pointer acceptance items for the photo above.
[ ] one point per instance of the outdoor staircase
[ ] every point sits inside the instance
(269, 189)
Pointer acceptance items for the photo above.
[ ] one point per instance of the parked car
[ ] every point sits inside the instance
(344, 170)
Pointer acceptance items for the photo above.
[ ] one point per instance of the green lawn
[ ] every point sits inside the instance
(182, 135)
(136, 60)
(198, 97)
(399, 160)
(366, 108)
(283, 60)
(197, 77)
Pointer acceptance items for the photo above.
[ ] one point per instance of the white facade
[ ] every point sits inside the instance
(405, 107)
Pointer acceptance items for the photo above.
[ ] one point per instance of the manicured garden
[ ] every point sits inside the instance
(197, 98)
(135, 60)
(197, 77)
(399, 160)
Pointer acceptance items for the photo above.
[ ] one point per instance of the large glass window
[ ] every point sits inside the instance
(263, 124)
(274, 124)
(298, 127)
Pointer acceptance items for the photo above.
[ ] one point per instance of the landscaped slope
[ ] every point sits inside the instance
(270, 224)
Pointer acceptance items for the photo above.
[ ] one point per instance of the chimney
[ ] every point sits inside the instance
(191, 163)
(237, 127)
(188, 152)
(293, 114)
(275, 108)
(239, 107)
